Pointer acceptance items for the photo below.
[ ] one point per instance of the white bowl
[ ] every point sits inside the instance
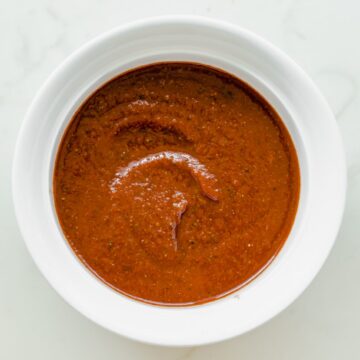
(268, 70)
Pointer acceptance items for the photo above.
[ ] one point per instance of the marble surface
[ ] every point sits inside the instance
(322, 36)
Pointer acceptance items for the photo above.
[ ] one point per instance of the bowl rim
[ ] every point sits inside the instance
(220, 26)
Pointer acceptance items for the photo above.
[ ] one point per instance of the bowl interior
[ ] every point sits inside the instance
(108, 73)
(272, 74)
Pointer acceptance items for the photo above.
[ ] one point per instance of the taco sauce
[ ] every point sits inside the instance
(176, 183)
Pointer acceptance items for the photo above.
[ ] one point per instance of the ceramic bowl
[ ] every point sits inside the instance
(252, 59)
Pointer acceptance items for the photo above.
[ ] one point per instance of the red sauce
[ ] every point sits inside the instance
(176, 183)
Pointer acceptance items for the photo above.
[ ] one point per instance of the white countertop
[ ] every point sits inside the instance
(322, 36)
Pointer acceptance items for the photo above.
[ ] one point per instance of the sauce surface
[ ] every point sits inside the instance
(176, 183)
